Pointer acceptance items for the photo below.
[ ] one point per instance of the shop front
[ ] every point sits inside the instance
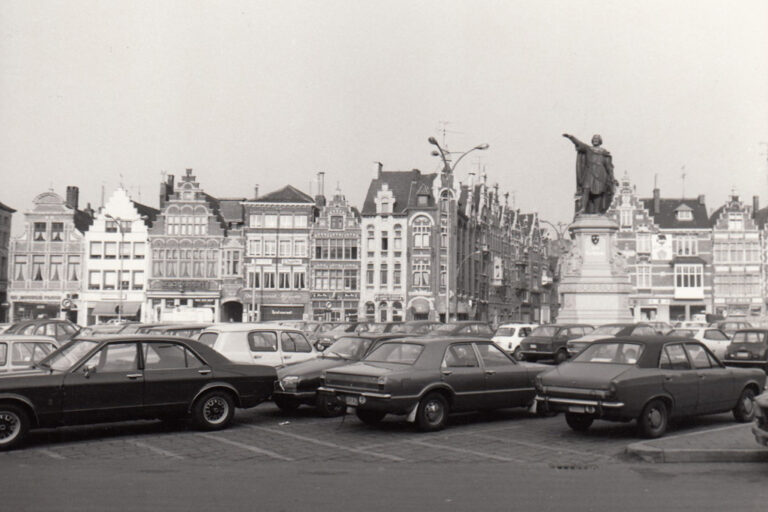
(335, 306)
(270, 306)
(31, 306)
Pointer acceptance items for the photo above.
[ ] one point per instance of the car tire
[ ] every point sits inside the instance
(14, 426)
(518, 353)
(654, 419)
(214, 410)
(578, 422)
(561, 355)
(329, 406)
(432, 413)
(286, 404)
(744, 412)
(370, 417)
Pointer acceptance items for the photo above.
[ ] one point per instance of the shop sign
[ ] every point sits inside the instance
(291, 262)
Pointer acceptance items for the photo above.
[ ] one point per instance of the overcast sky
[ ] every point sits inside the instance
(270, 93)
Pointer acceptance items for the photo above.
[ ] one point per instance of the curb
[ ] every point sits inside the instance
(649, 453)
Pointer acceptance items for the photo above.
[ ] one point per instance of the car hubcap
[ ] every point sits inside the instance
(10, 426)
(654, 418)
(433, 411)
(216, 410)
(747, 405)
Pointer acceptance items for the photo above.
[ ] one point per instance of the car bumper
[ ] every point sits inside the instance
(598, 408)
(306, 397)
(533, 355)
(372, 401)
(746, 363)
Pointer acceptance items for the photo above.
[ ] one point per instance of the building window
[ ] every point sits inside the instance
(350, 249)
(643, 243)
(369, 275)
(139, 250)
(56, 267)
(397, 275)
(284, 280)
(254, 279)
(685, 245)
(383, 274)
(421, 232)
(57, 231)
(384, 241)
(125, 250)
(269, 248)
(336, 248)
(383, 311)
(299, 282)
(735, 222)
(443, 274)
(684, 215)
(285, 248)
(73, 269)
(20, 268)
(254, 220)
(254, 247)
(231, 262)
(110, 226)
(286, 221)
(422, 200)
(95, 253)
(421, 272)
(644, 277)
(38, 262)
(398, 237)
(39, 234)
(138, 279)
(300, 221)
(371, 239)
(110, 250)
(110, 279)
(350, 279)
(337, 222)
(300, 248)
(625, 217)
(94, 280)
(397, 312)
(689, 276)
(270, 220)
(124, 280)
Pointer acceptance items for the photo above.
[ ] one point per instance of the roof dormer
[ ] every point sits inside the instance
(684, 213)
(385, 200)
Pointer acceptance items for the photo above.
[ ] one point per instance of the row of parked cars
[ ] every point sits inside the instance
(422, 376)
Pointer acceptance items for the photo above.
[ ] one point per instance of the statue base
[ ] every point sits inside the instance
(594, 285)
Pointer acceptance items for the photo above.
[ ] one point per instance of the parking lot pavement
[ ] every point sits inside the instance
(266, 434)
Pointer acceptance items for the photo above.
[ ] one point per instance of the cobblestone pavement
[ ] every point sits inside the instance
(267, 434)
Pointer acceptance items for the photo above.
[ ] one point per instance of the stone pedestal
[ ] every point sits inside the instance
(594, 285)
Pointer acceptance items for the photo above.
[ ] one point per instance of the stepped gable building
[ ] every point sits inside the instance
(276, 235)
(737, 260)
(116, 261)
(6, 212)
(335, 259)
(666, 245)
(401, 249)
(185, 241)
(47, 257)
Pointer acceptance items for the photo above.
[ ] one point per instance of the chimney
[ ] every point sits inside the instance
(380, 168)
(755, 204)
(166, 189)
(656, 201)
(701, 199)
(89, 210)
(73, 197)
(320, 196)
(256, 191)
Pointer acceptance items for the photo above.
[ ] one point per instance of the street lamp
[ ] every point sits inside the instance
(448, 168)
(119, 222)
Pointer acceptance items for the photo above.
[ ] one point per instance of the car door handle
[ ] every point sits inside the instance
(447, 372)
(134, 375)
(490, 372)
(204, 372)
(287, 357)
(257, 357)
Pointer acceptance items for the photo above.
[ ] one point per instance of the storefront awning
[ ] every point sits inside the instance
(106, 307)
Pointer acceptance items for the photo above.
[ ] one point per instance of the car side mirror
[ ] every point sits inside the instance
(88, 371)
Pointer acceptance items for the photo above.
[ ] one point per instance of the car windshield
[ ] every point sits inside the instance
(612, 353)
(400, 353)
(63, 358)
(748, 337)
(342, 328)
(682, 333)
(445, 328)
(377, 328)
(609, 330)
(505, 331)
(348, 348)
(545, 330)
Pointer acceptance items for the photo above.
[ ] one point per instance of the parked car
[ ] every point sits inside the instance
(268, 344)
(126, 378)
(326, 338)
(4, 327)
(551, 341)
(760, 428)
(62, 330)
(689, 324)
(297, 383)
(730, 327)
(748, 347)
(425, 379)
(660, 327)
(509, 336)
(648, 379)
(188, 330)
(19, 352)
(462, 328)
(716, 340)
(415, 327)
(608, 331)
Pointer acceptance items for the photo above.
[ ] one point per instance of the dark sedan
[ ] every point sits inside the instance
(551, 341)
(62, 330)
(650, 379)
(297, 383)
(125, 378)
(462, 328)
(748, 347)
(425, 379)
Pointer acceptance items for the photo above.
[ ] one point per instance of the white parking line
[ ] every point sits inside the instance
(540, 446)
(51, 454)
(250, 448)
(159, 451)
(464, 450)
(328, 444)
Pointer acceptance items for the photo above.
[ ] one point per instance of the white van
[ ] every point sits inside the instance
(509, 336)
(267, 344)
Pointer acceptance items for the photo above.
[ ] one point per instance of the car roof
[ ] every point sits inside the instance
(246, 326)
(204, 350)
(26, 337)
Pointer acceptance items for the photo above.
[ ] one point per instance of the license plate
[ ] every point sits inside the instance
(743, 355)
(577, 408)
(532, 345)
(351, 400)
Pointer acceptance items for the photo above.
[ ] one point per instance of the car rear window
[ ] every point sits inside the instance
(609, 330)
(208, 338)
(682, 333)
(611, 353)
(748, 337)
(3, 354)
(400, 353)
(505, 331)
(545, 330)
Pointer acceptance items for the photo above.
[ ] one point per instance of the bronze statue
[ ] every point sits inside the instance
(594, 176)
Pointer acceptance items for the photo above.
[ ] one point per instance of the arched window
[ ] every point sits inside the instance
(397, 312)
(422, 227)
(383, 307)
(370, 311)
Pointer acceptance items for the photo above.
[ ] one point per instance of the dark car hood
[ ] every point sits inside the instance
(312, 367)
(584, 375)
(371, 369)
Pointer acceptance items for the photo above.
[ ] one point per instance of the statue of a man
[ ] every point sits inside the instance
(594, 175)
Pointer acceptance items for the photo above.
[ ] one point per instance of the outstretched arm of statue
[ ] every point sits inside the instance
(576, 142)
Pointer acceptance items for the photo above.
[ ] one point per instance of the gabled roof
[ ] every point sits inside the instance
(761, 217)
(667, 219)
(404, 186)
(7, 208)
(82, 220)
(287, 194)
(232, 209)
(147, 213)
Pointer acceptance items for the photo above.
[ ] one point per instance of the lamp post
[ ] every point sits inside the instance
(448, 168)
(118, 222)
